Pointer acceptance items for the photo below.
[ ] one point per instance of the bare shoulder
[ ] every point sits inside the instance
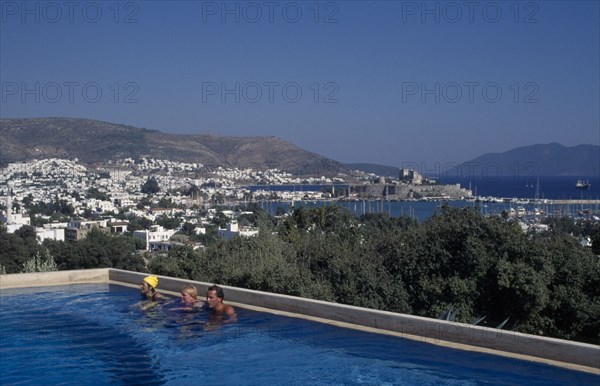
(230, 313)
(159, 296)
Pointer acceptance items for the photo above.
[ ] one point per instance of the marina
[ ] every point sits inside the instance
(421, 210)
(529, 200)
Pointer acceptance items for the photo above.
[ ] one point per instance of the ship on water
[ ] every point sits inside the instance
(581, 184)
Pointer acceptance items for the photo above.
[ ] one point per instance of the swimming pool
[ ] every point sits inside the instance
(99, 334)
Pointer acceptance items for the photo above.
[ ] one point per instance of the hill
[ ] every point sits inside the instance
(551, 159)
(93, 141)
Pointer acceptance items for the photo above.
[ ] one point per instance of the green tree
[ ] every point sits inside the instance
(188, 228)
(262, 262)
(28, 201)
(26, 232)
(94, 193)
(39, 263)
(17, 248)
(144, 202)
(595, 238)
(98, 250)
(181, 262)
(150, 186)
(165, 202)
(169, 222)
(573, 307)
(220, 220)
(461, 259)
(138, 223)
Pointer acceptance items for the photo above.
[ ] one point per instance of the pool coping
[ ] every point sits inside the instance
(557, 352)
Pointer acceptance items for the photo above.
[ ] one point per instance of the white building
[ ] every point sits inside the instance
(12, 220)
(42, 234)
(155, 234)
(123, 202)
(77, 230)
(232, 230)
(101, 206)
(15, 221)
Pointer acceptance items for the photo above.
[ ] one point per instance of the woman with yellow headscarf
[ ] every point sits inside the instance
(148, 288)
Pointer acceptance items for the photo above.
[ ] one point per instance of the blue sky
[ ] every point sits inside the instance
(357, 81)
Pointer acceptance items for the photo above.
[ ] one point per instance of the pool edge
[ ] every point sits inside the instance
(43, 279)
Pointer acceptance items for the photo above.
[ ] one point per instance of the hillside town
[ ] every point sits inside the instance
(64, 199)
(104, 197)
(91, 198)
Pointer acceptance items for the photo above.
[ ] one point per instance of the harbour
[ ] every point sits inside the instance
(421, 210)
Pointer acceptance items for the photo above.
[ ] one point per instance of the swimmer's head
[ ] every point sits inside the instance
(190, 290)
(218, 290)
(152, 281)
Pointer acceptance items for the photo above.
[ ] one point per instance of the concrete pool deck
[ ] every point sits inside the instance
(557, 352)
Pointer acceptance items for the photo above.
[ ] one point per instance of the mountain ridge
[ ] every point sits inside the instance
(93, 141)
(551, 159)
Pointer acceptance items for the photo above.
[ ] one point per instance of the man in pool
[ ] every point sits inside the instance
(148, 288)
(214, 301)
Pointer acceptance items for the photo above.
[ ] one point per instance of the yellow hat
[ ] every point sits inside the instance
(152, 280)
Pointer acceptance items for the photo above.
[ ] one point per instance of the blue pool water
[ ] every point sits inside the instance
(99, 334)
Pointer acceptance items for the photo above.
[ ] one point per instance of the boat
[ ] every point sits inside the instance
(581, 184)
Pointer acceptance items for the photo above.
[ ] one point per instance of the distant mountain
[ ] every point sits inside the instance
(94, 141)
(529, 161)
(551, 159)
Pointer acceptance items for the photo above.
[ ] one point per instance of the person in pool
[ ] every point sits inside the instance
(189, 295)
(148, 288)
(214, 301)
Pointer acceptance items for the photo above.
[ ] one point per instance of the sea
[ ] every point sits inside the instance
(552, 188)
(524, 191)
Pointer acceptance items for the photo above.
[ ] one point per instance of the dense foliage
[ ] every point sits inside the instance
(458, 260)
(97, 250)
(150, 186)
(17, 248)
